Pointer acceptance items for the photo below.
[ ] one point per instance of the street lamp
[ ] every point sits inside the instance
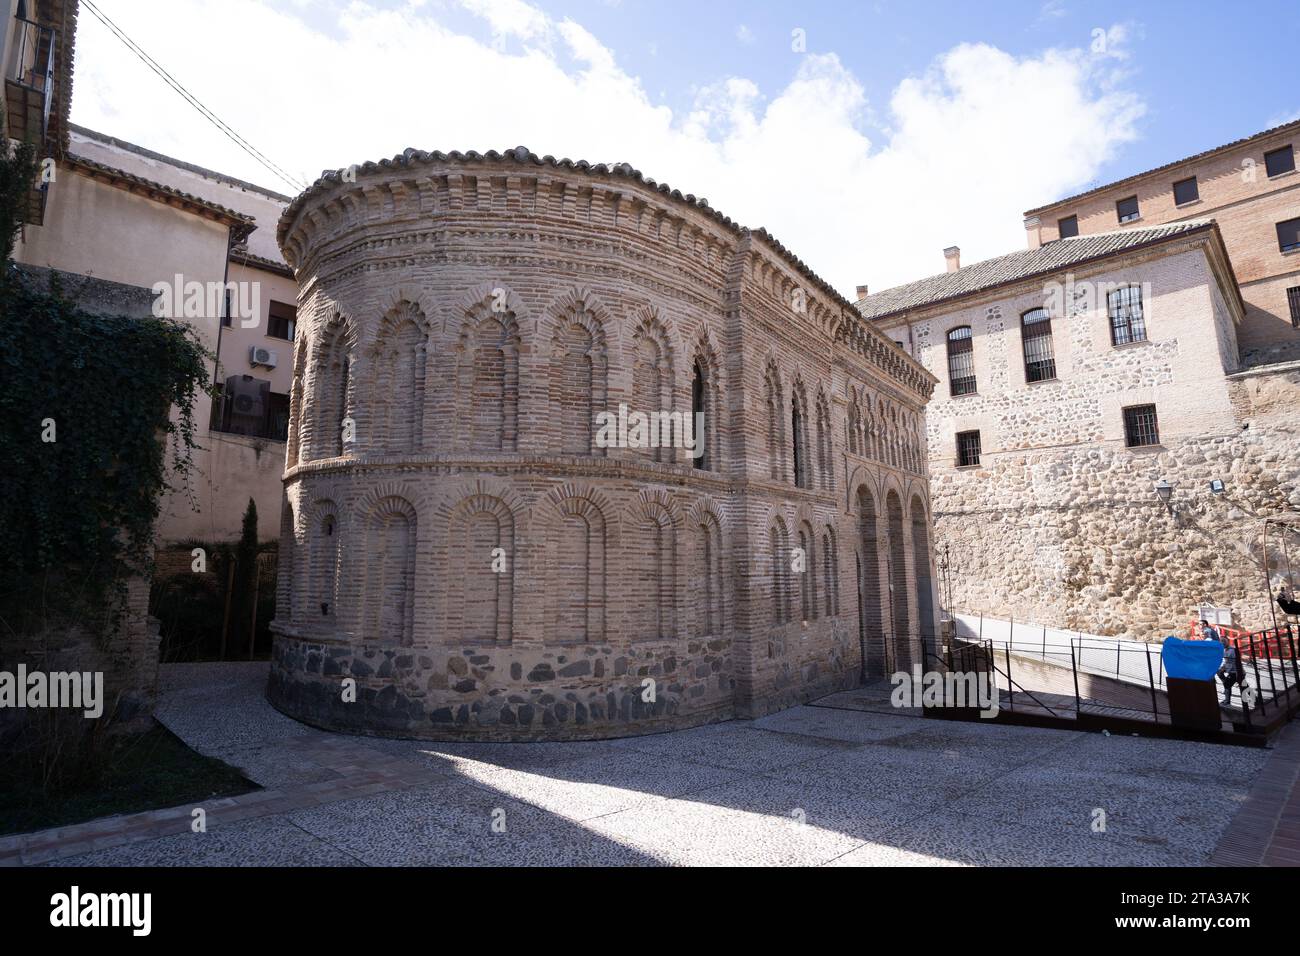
(1165, 491)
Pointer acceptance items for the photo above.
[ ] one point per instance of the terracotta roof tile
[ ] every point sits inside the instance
(523, 156)
(1048, 258)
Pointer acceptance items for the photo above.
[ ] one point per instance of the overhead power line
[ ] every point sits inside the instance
(192, 100)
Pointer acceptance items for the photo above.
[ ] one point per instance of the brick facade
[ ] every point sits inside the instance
(1235, 189)
(456, 539)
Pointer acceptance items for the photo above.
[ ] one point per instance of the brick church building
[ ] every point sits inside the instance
(458, 541)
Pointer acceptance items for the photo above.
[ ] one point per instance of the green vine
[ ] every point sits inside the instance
(18, 170)
(88, 438)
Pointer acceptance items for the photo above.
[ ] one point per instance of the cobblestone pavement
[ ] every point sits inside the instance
(843, 782)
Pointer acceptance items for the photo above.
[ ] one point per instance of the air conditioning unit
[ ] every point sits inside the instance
(246, 403)
(260, 356)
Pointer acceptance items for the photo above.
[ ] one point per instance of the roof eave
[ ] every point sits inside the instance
(1211, 225)
(1167, 167)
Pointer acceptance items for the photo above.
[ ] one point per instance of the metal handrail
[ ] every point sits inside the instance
(1011, 683)
(33, 63)
(1270, 659)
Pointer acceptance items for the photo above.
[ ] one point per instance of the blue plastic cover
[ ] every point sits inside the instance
(1193, 660)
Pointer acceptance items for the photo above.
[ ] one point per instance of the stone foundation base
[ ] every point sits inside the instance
(502, 693)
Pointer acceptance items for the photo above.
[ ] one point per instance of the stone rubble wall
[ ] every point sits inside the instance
(1077, 537)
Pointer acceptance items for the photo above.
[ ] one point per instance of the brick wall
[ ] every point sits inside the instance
(1236, 191)
(470, 556)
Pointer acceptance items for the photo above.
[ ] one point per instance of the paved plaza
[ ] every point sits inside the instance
(846, 781)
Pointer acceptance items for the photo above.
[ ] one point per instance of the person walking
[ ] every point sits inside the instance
(1230, 671)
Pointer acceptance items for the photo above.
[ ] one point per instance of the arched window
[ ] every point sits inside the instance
(699, 413)
(706, 575)
(1036, 338)
(1127, 322)
(487, 378)
(808, 575)
(826, 474)
(871, 597)
(796, 435)
(898, 597)
(332, 388)
(325, 552)
(390, 572)
(653, 574)
(778, 541)
(286, 581)
(775, 426)
(493, 387)
(297, 399)
(831, 572)
(398, 368)
(652, 383)
(961, 361)
(576, 578)
(480, 595)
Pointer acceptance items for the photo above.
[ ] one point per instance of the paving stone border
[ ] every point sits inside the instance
(1266, 830)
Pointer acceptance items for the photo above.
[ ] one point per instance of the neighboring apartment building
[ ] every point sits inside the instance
(1105, 443)
(1251, 188)
(118, 220)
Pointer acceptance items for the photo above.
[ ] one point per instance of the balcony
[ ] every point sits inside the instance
(29, 81)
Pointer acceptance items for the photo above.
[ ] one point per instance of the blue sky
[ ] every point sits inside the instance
(900, 129)
(1209, 72)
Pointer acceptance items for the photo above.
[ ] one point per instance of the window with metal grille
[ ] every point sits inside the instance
(1036, 336)
(1127, 324)
(1288, 235)
(1068, 227)
(1293, 300)
(1279, 161)
(1140, 426)
(1185, 191)
(1127, 209)
(968, 449)
(961, 361)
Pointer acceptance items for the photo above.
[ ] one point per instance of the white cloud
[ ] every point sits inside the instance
(745, 35)
(980, 136)
(1052, 10)
(1281, 119)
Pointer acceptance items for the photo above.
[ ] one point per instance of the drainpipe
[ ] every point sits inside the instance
(225, 304)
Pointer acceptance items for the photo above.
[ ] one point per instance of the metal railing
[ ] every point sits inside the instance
(1269, 661)
(979, 657)
(32, 62)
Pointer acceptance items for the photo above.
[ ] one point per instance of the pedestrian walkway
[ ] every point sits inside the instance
(847, 781)
(1266, 830)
